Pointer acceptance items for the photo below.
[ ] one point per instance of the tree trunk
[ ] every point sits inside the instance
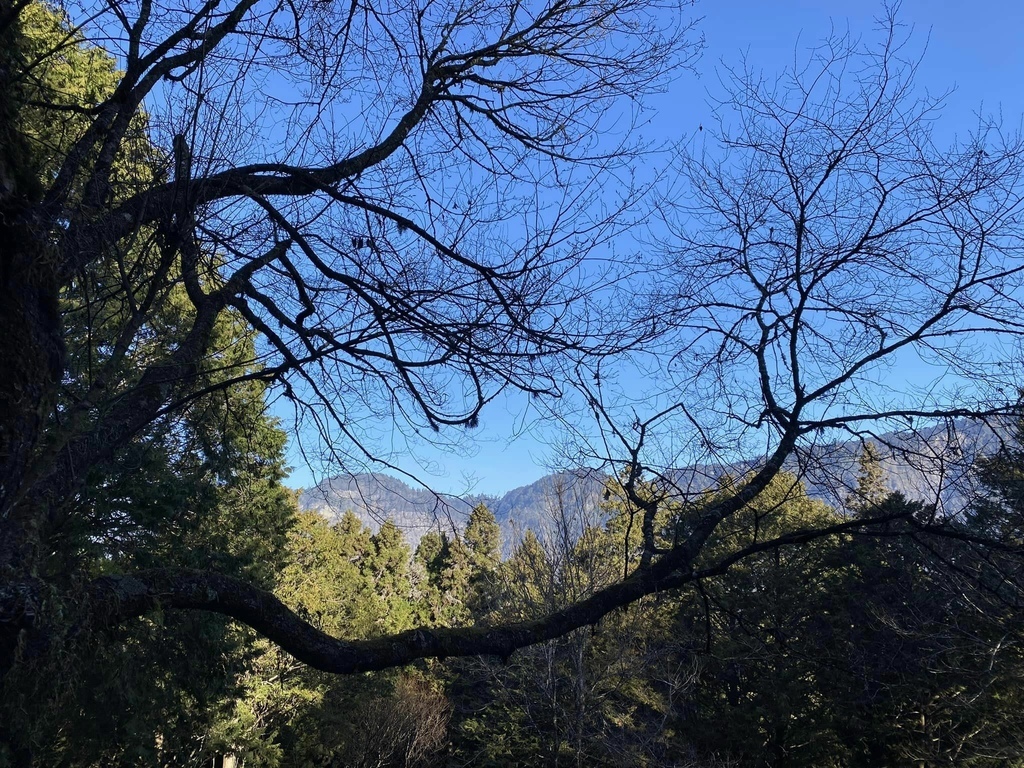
(31, 360)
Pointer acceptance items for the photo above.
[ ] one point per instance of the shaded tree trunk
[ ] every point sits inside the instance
(31, 360)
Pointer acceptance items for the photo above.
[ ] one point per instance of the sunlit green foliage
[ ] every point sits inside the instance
(848, 651)
(350, 583)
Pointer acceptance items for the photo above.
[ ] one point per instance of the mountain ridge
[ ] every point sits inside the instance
(932, 465)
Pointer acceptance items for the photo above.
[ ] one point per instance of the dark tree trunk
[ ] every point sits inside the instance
(31, 362)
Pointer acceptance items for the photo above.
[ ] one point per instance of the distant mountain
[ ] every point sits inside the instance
(932, 465)
(560, 502)
(376, 497)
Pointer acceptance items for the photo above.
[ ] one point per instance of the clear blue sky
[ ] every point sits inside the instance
(976, 48)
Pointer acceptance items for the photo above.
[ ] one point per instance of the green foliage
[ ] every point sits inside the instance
(207, 495)
(350, 583)
(443, 589)
(324, 580)
(387, 567)
(58, 70)
(871, 490)
(529, 578)
(589, 698)
(749, 636)
(461, 572)
(852, 652)
(483, 541)
(483, 537)
(202, 491)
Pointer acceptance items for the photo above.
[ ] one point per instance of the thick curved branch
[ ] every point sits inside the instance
(113, 599)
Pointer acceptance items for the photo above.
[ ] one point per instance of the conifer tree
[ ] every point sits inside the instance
(483, 541)
(871, 489)
(387, 569)
(483, 537)
(203, 491)
(351, 584)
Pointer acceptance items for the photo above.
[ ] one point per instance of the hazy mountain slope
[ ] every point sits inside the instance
(377, 497)
(931, 465)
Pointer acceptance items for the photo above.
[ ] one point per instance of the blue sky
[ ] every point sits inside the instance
(976, 48)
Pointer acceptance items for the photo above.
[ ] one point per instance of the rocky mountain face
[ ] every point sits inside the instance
(931, 465)
(377, 497)
(567, 498)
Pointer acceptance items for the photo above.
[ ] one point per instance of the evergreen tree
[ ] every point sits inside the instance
(429, 551)
(871, 489)
(205, 495)
(351, 584)
(203, 491)
(483, 537)
(483, 541)
(500, 712)
(387, 568)
(750, 635)
(587, 698)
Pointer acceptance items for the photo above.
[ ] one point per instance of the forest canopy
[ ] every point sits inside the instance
(392, 214)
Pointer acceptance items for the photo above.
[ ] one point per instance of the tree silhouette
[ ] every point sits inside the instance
(345, 177)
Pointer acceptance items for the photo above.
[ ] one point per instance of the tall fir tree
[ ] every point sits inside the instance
(870, 489)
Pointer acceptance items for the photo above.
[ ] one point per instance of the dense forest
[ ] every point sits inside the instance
(880, 652)
(163, 600)
(856, 651)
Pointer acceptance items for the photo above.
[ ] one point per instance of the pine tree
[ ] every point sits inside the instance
(483, 541)
(483, 537)
(871, 489)
(387, 569)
